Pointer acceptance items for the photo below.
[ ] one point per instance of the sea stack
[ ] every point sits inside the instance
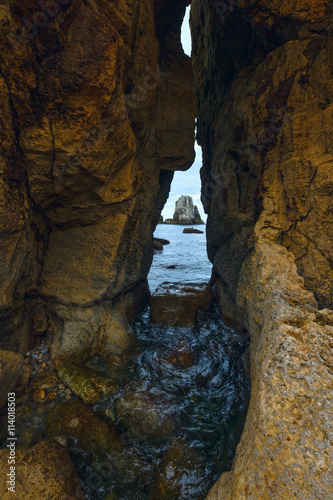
(185, 212)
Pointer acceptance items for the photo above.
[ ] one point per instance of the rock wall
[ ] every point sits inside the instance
(263, 75)
(89, 145)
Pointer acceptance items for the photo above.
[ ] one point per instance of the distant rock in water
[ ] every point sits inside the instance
(160, 220)
(185, 212)
(158, 244)
(190, 230)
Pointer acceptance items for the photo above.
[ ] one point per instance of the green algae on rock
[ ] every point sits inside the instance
(87, 384)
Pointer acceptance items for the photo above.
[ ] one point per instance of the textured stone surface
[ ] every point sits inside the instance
(10, 371)
(186, 212)
(264, 87)
(76, 422)
(177, 304)
(97, 113)
(145, 414)
(44, 471)
(86, 383)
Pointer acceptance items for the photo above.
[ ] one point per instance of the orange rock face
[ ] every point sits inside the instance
(44, 471)
(97, 113)
(264, 87)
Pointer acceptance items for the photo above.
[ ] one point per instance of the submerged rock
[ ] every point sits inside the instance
(44, 380)
(145, 415)
(86, 383)
(44, 471)
(178, 476)
(158, 246)
(76, 422)
(180, 356)
(176, 304)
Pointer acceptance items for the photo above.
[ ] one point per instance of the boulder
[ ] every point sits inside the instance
(163, 241)
(178, 355)
(10, 372)
(145, 415)
(86, 383)
(76, 422)
(44, 380)
(158, 246)
(177, 304)
(179, 473)
(191, 230)
(44, 471)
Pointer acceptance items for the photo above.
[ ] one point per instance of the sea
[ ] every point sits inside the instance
(187, 252)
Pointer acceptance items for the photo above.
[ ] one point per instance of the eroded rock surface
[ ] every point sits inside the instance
(177, 304)
(186, 212)
(44, 471)
(264, 87)
(97, 113)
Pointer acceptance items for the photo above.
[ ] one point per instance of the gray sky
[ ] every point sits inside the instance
(186, 183)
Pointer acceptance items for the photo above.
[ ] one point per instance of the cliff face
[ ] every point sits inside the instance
(264, 87)
(89, 145)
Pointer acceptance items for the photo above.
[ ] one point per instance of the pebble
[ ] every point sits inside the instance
(68, 396)
(51, 395)
(61, 386)
(38, 395)
(68, 391)
(61, 440)
(43, 365)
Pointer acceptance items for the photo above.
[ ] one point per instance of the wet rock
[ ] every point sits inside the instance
(51, 395)
(163, 241)
(179, 356)
(158, 246)
(10, 372)
(145, 415)
(191, 230)
(24, 377)
(176, 304)
(44, 380)
(111, 496)
(178, 475)
(25, 437)
(38, 395)
(86, 383)
(74, 421)
(44, 471)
